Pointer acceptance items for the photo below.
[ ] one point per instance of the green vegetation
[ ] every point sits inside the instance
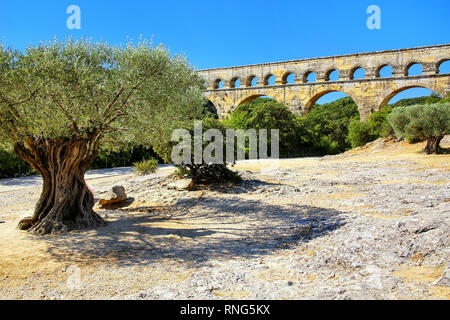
(13, 166)
(126, 156)
(325, 129)
(360, 133)
(62, 102)
(206, 173)
(322, 131)
(145, 167)
(69, 106)
(377, 126)
(330, 128)
(265, 113)
(430, 122)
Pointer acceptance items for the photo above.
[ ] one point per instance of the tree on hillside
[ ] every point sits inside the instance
(266, 113)
(61, 101)
(430, 122)
(327, 125)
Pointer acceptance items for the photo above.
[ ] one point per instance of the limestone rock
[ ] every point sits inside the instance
(115, 195)
(184, 184)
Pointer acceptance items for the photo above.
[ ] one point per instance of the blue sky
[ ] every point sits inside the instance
(226, 33)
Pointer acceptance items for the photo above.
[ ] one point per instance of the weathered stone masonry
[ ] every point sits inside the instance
(370, 93)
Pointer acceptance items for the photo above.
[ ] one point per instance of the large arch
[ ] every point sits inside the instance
(392, 94)
(249, 98)
(312, 101)
(211, 108)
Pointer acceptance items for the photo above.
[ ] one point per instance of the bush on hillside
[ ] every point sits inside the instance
(430, 122)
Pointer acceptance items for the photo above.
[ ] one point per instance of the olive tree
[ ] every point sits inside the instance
(212, 143)
(62, 101)
(430, 122)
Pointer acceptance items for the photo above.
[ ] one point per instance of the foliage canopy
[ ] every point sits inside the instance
(63, 90)
(60, 101)
(429, 122)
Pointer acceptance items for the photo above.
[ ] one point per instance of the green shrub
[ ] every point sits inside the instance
(360, 133)
(322, 131)
(430, 122)
(325, 129)
(212, 173)
(181, 172)
(205, 173)
(122, 156)
(146, 166)
(12, 166)
(433, 98)
(265, 113)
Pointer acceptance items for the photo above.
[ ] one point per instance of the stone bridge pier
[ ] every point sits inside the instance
(369, 92)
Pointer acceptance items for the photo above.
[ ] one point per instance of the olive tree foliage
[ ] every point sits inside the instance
(61, 101)
(430, 122)
(213, 136)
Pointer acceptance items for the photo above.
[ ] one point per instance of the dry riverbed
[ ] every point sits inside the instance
(372, 223)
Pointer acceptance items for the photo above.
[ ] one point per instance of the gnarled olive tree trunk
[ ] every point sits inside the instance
(433, 146)
(65, 203)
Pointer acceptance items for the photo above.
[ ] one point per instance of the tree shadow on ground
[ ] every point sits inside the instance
(196, 230)
(246, 186)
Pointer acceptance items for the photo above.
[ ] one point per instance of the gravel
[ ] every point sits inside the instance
(343, 230)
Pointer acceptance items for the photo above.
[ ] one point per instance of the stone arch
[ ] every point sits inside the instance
(249, 98)
(330, 71)
(353, 70)
(210, 107)
(392, 94)
(267, 77)
(379, 68)
(216, 83)
(307, 74)
(248, 82)
(233, 82)
(438, 65)
(409, 65)
(312, 101)
(284, 78)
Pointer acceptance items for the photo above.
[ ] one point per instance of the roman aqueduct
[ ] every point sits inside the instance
(370, 93)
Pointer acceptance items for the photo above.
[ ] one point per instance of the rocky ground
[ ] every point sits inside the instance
(372, 223)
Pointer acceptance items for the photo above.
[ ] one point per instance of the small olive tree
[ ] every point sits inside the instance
(204, 172)
(61, 101)
(430, 122)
